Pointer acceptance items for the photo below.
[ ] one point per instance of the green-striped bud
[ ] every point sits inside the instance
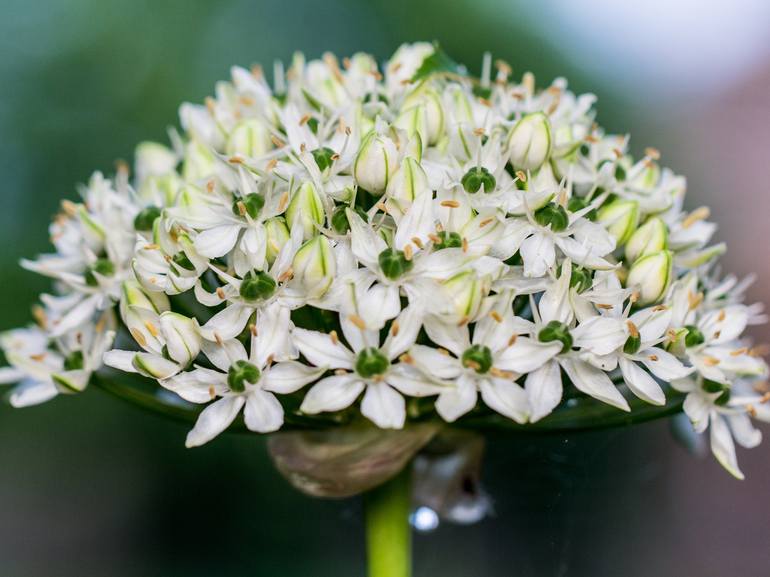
(651, 237)
(529, 142)
(620, 218)
(183, 340)
(307, 208)
(240, 373)
(376, 161)
(198, 162)
(314, 266)
(408, 182)
(427, 97)
(249, 138)
(277, 235)
(466, 292)
(651, 276)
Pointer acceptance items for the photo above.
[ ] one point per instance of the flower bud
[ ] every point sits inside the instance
(620, 218)
(408, 182)
(414, 120)
(428, 98)
(529, 142)
(307, 208)
(153, 159)
(140, 310)
(375, 163)
(394, 263)
(466, 292)
(249, 138)
(651, 237)
(314, 266)
(477, 178)
(277, 236)
(183, 340)
(651, 275)
(198, 162)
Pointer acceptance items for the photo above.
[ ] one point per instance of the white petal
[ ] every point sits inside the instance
(538, 254)
(365, 243)
(214, 419)
(554, 304)
(696, 407)
(408, 323)
(411, 382)
(434, 363)
(526, 355)
(454, 401)
(196, 386)
(418, 222)
(663, 364)
(505, 397)
(332, 394)
(29, 393)
(594, 383)
(289, 376)
(121, 360)
(448, 335)
(321, 350)
(224, 355)
(262, 413)
(273, 335)
(599, 335)
(79, 314)
(544, 390)
(723, 447)
(217, 241)
(384, 406)
(155, 366)
(641, 383)
(227, 323)
(744, 432)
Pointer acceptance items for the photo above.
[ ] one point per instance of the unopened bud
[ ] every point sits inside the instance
(183, 340)
(466, 292)
(277, 235)
(249, 138)
(375, 163)
(529, 142)
(651, 237)
(651, 276)
(314, 266)
(307, 208)
(620, 218)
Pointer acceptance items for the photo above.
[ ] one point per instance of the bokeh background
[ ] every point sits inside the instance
(89, 486)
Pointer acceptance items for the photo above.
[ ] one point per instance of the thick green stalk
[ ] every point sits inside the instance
(388, 534)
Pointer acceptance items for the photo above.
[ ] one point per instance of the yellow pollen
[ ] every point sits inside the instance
(406, 358)
(340, 372)
(417, 242)
(465, 244)
(408, 254)
(632, 330)
(220, 292)
(138, 337)
(284, 201)
(450, 203)
(485, 222)
(394, 328)
(653, 153)
(304, 119)
(521, 175)
(253, 329)
(710, 361)
(333, 336)
(277, 142)
(358, 321)
(696, 215)
(271, 165)
(442, 351)
(496, 316)
(152, 328)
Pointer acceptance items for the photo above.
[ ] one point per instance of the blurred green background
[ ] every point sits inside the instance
(89, 486)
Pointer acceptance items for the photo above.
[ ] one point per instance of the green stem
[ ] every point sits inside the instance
(388, 534)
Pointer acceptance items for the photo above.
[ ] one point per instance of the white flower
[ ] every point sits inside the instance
(530, 141)
(364, 365)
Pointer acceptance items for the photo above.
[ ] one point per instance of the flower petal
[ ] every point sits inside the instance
(262, 413)
(332, 394)
(526, 355)
(544, 390)
(594, 382)
(457, 399)
(214, 419)
(289, 376)
(384, 406)
(641, 383)
(723, 447)
(217, 241)
(505, 397)
(322, 350)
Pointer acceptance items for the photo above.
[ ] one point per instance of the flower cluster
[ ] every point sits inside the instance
(350, 237)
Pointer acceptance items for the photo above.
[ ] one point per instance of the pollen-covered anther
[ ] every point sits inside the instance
(722, 315)
(304, 119)
(521, 175)
(286, 275)
(340, 372)
(479, 131)
(710, 361)
(696, 215)
(220, 292)
(357, 321)
(442, 351)
(632, 329)
(151, 328)
(496, 316)
(605, 306)
(417, 242)
(271, 165)
(69, 208)
(694, 300)
(739, 352)
(751, 410)
(465, 244)
(283, 202)
(235, 160)
(334, 337)
(512, 339)
(138, 337)
(212, 392)
(450, 203)
(406, 358)
(253, 329)
(394, 328)
(218, 339)
(277, 142)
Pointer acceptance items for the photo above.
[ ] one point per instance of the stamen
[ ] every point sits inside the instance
(408, 252)
(340, 372)
(271, 165)
(212, 392)
(442, 351)
(277, 141)
(653, 357)
(394, 328)
(694, 300)
(485, 222)
(220, 292)
(358, 321)
(521, 175)
(496, 316)
(465, 244)
(138, 337)
(710, 361)
(653, 153)
(696, 215)
(406, 358)
(333, 336)
(450, 203)
(253, 329)
(512, 340)
(418, 243)
(632, 329)
(152, 328)
(304, 119)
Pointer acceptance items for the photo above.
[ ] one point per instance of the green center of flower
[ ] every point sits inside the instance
(146, 218)
(251, 204)
(74, 361)
(478, 358)
(556, 331)
(323, 157)
(181, 260)
(448, 240)
(394, 263)
(340, 222)
(715, 387)
(240, 373)
(553, 214)
(371, 362)
(581, 279)
(103, 267)
(694, 336)
(633, 344)
(257, 285)
(478, 177)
